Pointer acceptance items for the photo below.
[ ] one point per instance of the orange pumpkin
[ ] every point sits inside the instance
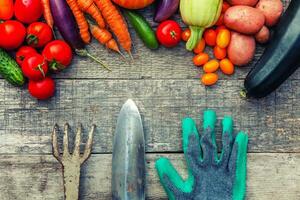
(133, 4)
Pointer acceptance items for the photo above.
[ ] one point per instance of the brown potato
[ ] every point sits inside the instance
(241, 49)
(263, 35)
(244, 19)
(272, 9)
(243, 2)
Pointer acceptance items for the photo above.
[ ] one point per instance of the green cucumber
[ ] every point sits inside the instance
(10, 70)
(142, 28)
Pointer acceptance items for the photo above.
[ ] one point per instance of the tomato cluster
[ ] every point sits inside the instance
(36, 51)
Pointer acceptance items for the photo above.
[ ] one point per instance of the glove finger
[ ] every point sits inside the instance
(227, 140)
(238, 157)
(238, 165)
(208, 140)
(172, 182)
(189, 130)
(193, 155)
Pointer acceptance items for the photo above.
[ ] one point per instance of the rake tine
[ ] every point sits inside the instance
(55, 144)
(88, 145)
(78, 140)
(66, 140)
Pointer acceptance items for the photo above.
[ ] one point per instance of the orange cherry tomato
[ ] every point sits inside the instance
(211, 66)
(210, 37)
(219, 52)
(186, 34)
(225, 6)
(220, 28)
(200, 47)
(209, 79)
(226, 66)
(201, 59)
(220, 20)
(223, 38)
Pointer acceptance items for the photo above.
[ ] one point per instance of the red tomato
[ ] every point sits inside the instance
(6, 9)
(24, 52)
(169, 33)
(59, 55)
(35, 67)
(43, 89)
(12, 34)
(38, 34)
(210, 37)
(28, 11)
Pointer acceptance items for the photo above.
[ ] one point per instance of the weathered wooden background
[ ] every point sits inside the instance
(165, 85)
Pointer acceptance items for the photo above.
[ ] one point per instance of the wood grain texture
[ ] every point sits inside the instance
(273, 123)
(165, 85)
(270, 176)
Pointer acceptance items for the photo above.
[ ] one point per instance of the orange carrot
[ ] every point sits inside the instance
(104, 37)
(116, 22)
(81, 21)
(90, 8)
(47, 12)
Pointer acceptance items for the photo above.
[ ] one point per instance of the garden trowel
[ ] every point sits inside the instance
(128, 162)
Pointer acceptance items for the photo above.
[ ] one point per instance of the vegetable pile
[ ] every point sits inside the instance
(230, 28)
(36, 52)
(233, 36)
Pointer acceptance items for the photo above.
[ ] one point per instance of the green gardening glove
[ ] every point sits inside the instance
(209, 177)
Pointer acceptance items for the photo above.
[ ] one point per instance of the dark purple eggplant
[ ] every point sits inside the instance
(165, 9)
(65, 22)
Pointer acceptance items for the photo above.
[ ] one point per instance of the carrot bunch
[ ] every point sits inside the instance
(102, 12)
(116, 22)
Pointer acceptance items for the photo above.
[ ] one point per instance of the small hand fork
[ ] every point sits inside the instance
(72, 162)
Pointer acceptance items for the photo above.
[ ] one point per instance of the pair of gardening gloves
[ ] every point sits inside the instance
(210, 177)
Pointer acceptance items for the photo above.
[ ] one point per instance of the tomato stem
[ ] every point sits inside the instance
(32, 39)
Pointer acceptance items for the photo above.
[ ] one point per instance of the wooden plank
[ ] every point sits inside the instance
(273, 123)
(270, 176)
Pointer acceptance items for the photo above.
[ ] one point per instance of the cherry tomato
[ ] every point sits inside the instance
(211, 66)
(200, 46)
(35, 67)
(186, 34)
(201, 59)
(169, 33)
(210, 36)
(6, 9)
(209, 79)
(226, 66)
(38, 34)
(220, 28)
(220, 53)
(43, 89)
(12, 34)
(223, 38)
(24, 52)
(28, 11)
(59, 55)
